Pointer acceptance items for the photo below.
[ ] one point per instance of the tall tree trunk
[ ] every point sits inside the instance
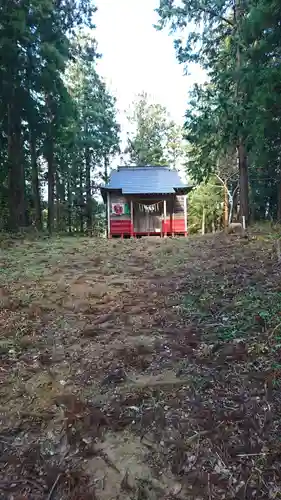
(16, 182)
(51, 185)
(243, 182)
(50, 156)
(88, 191)
(81, 201)
(63, 203)
(69, 206)
(58, 201)
(35, 184)
(241, 152)
(35, 180)
(279, 203)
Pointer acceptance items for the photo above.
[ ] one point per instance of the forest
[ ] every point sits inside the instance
(233, 120)
(59, 120)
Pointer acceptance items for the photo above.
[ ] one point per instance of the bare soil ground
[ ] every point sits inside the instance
(140, 369)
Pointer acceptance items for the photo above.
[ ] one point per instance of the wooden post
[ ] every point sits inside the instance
(203, 220)
(108, 215)
(185, 215)
(165, 215)
(132, 219)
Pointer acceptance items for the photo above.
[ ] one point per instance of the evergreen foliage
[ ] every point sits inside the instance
(58, 121)
(238, 108)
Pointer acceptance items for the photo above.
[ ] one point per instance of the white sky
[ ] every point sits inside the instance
(136, 57)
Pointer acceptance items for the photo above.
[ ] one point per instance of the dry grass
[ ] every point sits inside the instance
(140, 369)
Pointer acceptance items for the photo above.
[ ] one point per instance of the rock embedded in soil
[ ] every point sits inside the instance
(116, 376)
(90, 331)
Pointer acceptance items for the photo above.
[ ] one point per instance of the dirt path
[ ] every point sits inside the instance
(140, 370)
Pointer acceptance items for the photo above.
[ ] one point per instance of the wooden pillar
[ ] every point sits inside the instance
(162, 222)
(185, 215)
(165, 216)
(108, 215)
(203, 220)
(132, 219)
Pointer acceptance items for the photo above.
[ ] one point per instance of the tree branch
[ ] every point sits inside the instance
(235, 189)
(224, 183)
(218, 16)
